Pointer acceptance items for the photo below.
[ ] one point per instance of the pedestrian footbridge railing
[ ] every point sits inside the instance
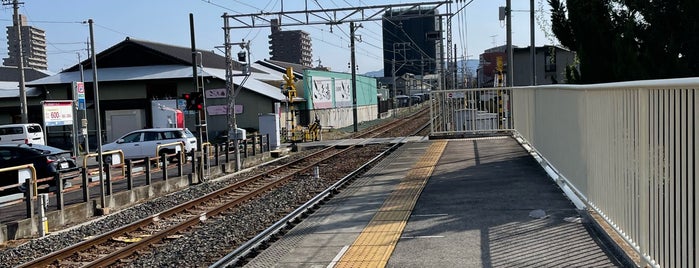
(629, 151)
(470, 111)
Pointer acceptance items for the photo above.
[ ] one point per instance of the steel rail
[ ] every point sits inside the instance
(194, 220)
(82, 246)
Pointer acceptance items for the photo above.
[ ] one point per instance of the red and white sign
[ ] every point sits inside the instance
(58, 113)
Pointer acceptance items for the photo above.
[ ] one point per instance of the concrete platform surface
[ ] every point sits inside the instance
(487, 203)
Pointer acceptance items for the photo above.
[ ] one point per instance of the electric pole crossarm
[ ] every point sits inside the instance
(251, 24)
(417, 8)
(322, 16)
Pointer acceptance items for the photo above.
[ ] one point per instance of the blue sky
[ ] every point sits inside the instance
(475, 29)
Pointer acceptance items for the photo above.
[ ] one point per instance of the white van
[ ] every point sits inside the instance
(22, 133)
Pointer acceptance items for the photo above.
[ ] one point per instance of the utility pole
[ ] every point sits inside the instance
(532, 49)
(17, 23)
(97, 115)
(354, 75)
(200, 116)
(231, 92)
(510, 67)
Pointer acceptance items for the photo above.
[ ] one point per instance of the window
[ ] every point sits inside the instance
(550, 60)
(34, 129)
(151, 136)
(11, 130)
(133, 137)
(173, 135)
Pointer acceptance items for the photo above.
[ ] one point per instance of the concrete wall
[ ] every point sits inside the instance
(342, 117)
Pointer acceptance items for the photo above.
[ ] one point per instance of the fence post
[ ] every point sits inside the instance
(129, 174)
(254, 143)
(29, 189)
(245, 148)
(59, 191)
(267, 142)
(216, 151)
(180, 164)
(163, 160)
(85, 185)
(194, 163)
(108, 168)
(149, 178)
(228, 150)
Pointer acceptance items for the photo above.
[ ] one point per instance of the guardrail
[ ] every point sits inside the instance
(630, 152)
(179, 148)
(31, 180)
(131, 170)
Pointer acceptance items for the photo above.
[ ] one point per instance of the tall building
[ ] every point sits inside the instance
(290, 46)
(33, 46)
(411, 38)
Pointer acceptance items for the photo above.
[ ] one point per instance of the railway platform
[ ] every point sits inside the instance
(481, 202)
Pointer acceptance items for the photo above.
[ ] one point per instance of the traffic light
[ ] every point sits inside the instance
(188, 101)
(199, 101)
(194, 101)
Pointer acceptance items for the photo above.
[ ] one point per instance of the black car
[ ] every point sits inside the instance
(47, 160)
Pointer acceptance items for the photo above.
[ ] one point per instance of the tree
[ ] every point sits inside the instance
(621, 40)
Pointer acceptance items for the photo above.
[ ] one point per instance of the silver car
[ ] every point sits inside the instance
(152, 142)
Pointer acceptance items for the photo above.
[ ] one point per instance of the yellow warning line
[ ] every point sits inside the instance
(377, 241)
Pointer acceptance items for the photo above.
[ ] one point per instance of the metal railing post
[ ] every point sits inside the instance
(216, 151)
(228, 151)
(29, 198)
(85, 184)
(108, 178)
(180, 164)
(254, 145)
(245, 148)
(59, 191)
(163, 160)
(149, 177)
(129, 174)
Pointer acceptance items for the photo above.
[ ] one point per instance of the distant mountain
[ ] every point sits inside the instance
(378, 73)
(471, 66)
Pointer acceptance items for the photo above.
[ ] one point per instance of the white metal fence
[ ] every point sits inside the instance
(470, 111)
(629, 151)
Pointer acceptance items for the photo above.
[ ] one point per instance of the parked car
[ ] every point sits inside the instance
(144, 142)
(22, 133)
(48, 161)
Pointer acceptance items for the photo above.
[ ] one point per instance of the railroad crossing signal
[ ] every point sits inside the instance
(194, 101)
(289, 82)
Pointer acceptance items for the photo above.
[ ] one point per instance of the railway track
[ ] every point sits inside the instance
(118, 247)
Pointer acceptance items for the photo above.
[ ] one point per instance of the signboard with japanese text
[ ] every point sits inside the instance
(79, 88)
(223, 109)
(216, 93)
(58, 113)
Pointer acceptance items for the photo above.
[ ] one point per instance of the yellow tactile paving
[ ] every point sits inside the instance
(377, 241)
